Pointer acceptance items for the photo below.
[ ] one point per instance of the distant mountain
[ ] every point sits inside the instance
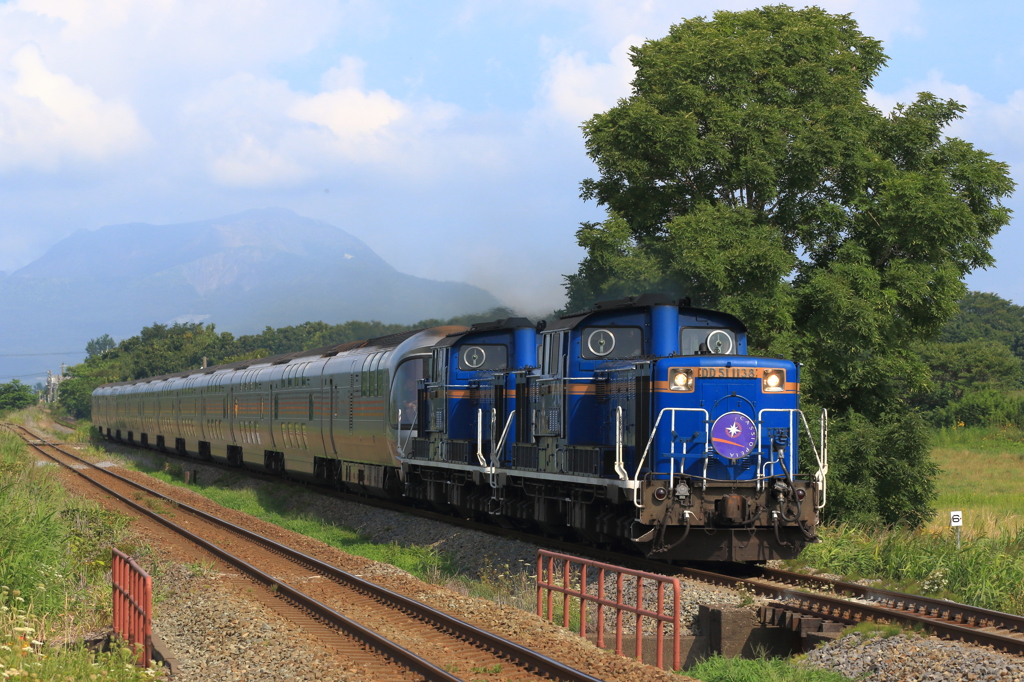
(242, 272)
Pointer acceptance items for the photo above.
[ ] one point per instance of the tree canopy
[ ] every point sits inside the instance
(748, 171)
(989, 317)
(100, 345)
(16, 395)
(166, 349)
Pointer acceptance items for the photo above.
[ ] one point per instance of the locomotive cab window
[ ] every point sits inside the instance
(404, 391)
(480, 357)
(611, 343)
(706, 341)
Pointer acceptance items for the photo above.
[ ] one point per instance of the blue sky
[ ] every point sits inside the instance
(444, 134)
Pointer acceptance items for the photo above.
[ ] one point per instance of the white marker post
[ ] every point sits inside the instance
(956, 520)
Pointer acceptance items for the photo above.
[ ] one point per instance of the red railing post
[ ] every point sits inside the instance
(132, 612)
(565, 595)
(600, 608)
(540, 583)
(583, 601)
(547, 582)
(640, 619)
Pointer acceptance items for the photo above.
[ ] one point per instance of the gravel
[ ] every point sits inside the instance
(219, 633)
(477, 555)
(911, 658)
(487, 557)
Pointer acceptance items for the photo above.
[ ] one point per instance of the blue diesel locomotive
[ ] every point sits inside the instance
(641, 423)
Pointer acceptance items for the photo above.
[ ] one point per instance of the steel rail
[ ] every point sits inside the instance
(929, 606)
(965, 622)
(843, 609)
(387, 648)
(528, 658)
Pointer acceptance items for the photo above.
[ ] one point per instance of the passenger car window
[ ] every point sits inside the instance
(611, 343)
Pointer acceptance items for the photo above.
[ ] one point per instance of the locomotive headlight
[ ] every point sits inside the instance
(801, 494)
(680, 379)
(774, 380)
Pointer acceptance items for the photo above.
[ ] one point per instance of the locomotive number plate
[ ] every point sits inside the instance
(727, 372)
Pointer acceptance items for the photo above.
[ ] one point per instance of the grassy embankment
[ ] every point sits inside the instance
(982, 476)
(54, 565)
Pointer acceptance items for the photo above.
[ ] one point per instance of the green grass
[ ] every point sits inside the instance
(274, 503)
(720, 669)
(54, 559)
(982, 475)
(869, 628)
(986, 571)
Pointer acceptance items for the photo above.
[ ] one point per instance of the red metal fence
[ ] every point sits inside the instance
(133, 605)
(574, 585)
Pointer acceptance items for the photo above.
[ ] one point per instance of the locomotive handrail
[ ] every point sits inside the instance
(673, 410)
(495, 462)
(620, 469)
(398, 437)
(821, 458)
(792, 440)
(480, 437)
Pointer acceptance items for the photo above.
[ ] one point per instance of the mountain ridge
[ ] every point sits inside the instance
(242, 272)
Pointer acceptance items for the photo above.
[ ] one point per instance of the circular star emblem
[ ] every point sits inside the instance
(733, 435)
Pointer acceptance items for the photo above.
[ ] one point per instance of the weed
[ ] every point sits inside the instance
(452, 668)
(486, 670)
(201, 568)
(761, 669)
(869, 629)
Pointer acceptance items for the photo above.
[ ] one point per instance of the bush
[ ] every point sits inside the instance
(881, 470)
(983, 408)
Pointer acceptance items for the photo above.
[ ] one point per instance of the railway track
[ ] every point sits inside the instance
(390, 635)
(796, 593)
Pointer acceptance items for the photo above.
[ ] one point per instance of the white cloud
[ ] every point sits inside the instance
(251, 164)
(996, 127)
(260, 132)
(47, 118)
(350, 113)
(612, 19)
(576, 89)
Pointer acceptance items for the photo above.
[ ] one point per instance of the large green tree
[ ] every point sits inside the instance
(748, 170)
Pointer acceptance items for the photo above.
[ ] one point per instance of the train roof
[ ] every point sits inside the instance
(378, 343)
(573, 320)
(509, 323)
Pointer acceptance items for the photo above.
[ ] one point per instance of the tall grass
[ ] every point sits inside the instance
(986, 571)
(52, 548)
(54, 560)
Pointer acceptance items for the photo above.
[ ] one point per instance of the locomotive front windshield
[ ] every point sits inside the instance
(612, 343)
(483, 357)
(706, 340)
(403, 391)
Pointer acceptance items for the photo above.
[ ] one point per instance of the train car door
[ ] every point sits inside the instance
(550, 417)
